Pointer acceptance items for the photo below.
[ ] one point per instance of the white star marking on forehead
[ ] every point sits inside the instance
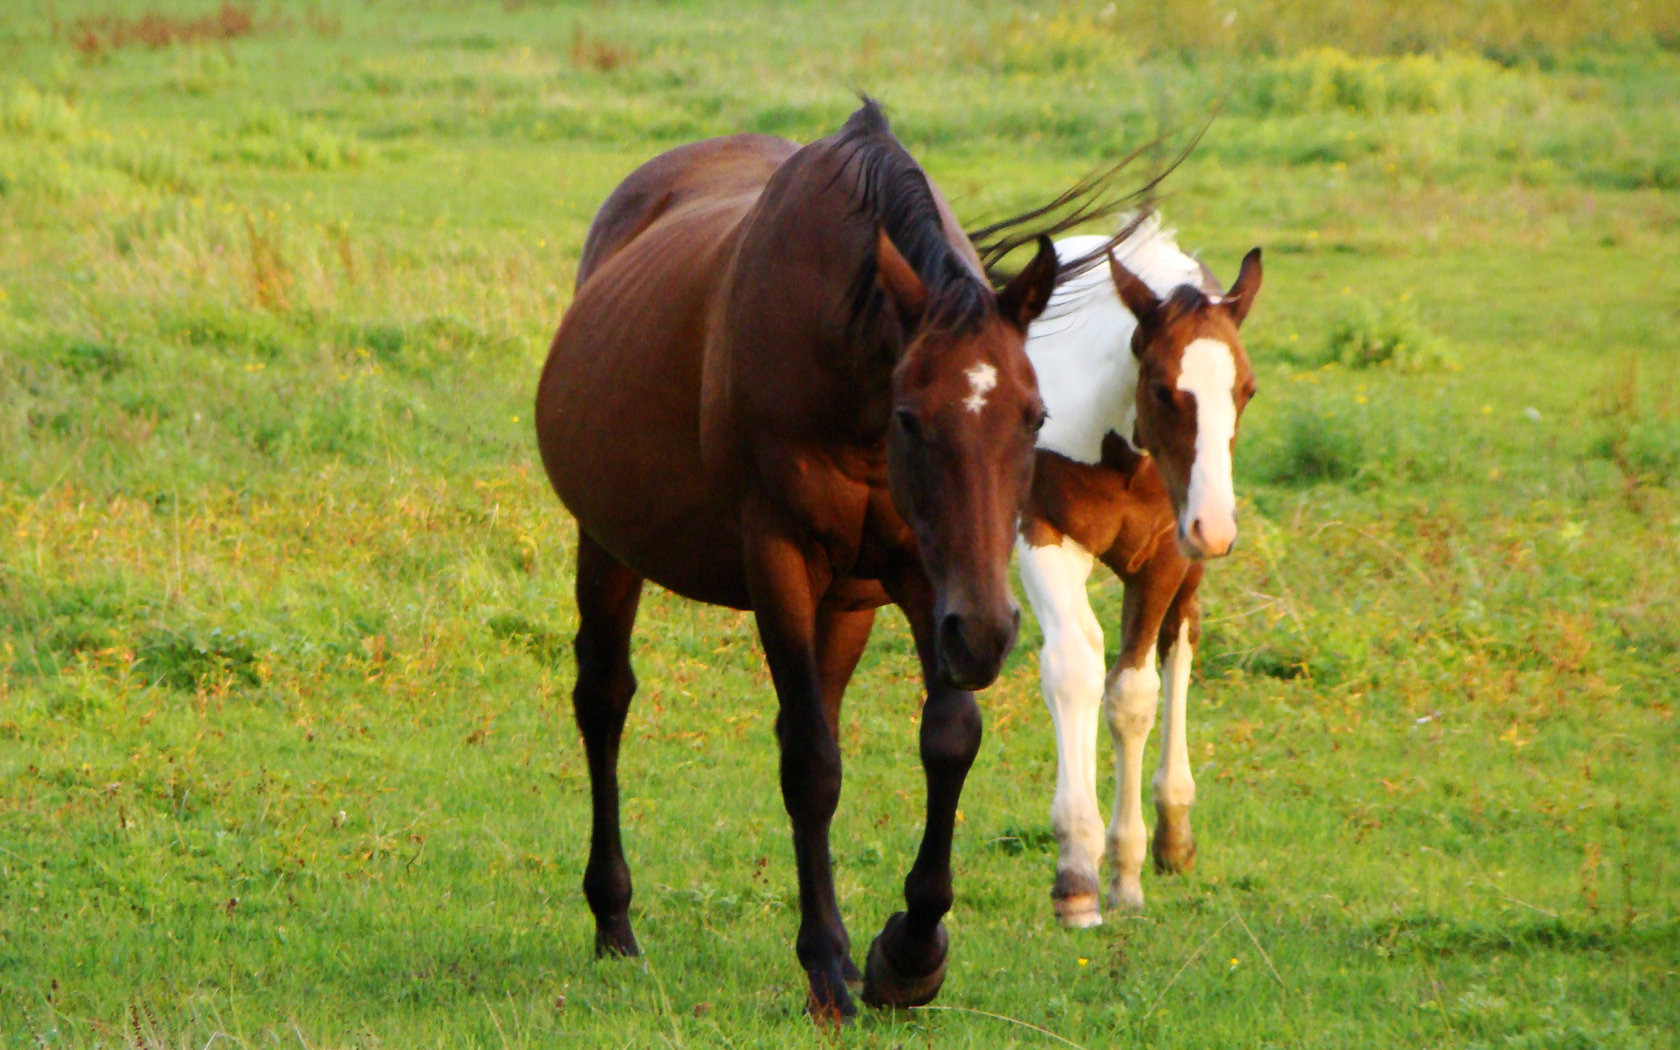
(981, 379)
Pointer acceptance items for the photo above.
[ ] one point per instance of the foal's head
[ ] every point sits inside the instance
(965, 415)
(1194, 380)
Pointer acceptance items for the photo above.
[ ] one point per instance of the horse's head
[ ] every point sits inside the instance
(1194, 380)
(965, 415)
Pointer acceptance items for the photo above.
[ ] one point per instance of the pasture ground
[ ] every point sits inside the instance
(286, 755)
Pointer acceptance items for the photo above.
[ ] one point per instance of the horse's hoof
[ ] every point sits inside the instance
(889, 980)
(1074, 897)
(829, 1008)
(1126, 896)
(1172, 845)
(1173, 857)
(1079, 911)
(615, 940)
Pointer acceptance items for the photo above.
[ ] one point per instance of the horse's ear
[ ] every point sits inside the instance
(907, 290)
(1025, 297)
(1241, 296)
(1134, 294)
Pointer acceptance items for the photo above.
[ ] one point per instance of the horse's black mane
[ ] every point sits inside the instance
(892, 191)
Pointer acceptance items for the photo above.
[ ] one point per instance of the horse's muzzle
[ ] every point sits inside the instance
(1201, 540)
(972, 648)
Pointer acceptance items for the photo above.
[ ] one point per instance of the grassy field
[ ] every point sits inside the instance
(286, 754)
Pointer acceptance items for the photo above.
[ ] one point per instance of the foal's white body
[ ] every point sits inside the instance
(1088, 377)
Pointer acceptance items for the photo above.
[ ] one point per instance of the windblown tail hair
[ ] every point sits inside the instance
(1096, 196)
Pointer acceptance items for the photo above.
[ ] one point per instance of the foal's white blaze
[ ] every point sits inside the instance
(1209, 371)
(981, 379)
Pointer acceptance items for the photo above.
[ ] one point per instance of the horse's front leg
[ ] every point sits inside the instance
(1129, 703)
(906, 963)
(1173, 845)
(1071, 670)
(785, 605)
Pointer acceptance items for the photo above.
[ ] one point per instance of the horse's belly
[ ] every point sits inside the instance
(618, 423)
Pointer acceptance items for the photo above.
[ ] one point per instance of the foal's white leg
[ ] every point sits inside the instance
(1071, 667)
(1175, 788)
(1130, 702)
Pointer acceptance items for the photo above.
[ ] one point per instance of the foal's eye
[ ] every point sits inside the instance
(908, 422)
(1036, 420)
(1164, 394)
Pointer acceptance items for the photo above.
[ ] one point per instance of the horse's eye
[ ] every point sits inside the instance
(1036, 420)
(908, 422)
(1164, 394)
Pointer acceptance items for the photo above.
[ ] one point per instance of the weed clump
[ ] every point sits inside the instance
(1646, 448)
(93, 35)
(186, 660)
(1329, 80)
(26, 112)
(1369, 335)
(1317, 445)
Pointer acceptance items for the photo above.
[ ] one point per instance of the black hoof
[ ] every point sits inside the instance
(615, 940)
(829, 1005)
(895, 977)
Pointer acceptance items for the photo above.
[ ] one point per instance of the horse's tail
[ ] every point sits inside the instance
(1099, 195)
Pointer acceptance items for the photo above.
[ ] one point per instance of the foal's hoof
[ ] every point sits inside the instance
(1173, 857)
(1173, 846)
(1078, 912)
(615, 939)
(1074, 897)
(894, 977)
(1126, 895)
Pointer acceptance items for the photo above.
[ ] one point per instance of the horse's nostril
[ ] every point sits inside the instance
(950, 630)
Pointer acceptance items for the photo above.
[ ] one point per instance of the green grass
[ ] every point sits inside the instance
(286, 754)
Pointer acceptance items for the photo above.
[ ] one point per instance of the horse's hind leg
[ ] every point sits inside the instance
(1173, 845)
(607, 595)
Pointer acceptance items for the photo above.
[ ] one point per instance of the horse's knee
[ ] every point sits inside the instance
(950, 733)
(1131, 702)
(1071, 671)
(810, 774)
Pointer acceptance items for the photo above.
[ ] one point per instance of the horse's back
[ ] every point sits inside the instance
(618, 406)
(714, 169)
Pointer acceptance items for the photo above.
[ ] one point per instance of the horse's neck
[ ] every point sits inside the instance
(1082, 351)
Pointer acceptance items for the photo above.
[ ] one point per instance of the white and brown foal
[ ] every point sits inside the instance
(1143, 374)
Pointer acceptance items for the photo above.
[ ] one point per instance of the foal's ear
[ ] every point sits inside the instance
(1134, 294)
(906, 289)
(1241, 296)
(1024, 298)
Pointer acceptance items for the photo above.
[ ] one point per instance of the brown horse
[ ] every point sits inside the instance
(785, 385)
